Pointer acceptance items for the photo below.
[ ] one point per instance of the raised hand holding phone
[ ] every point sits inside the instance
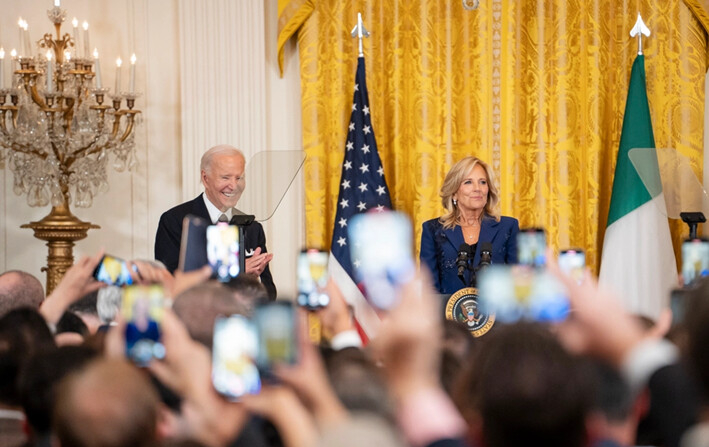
(381, 253)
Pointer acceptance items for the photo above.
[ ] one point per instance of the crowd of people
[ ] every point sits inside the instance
(602, 377)
(75, 371)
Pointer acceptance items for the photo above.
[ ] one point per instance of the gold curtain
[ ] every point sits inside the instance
(536, 88)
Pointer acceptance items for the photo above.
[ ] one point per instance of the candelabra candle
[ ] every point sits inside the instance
(22, 36)
(119, 62)
(132, 74)
(97, 68)
(13, 66)
(75, 24)
(2, 67)
(87, 50)
(28, 41)
(50, 72)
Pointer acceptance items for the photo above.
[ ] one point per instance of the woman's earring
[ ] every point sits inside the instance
(455, 202)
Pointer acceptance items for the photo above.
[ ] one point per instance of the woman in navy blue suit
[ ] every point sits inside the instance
(471, 198)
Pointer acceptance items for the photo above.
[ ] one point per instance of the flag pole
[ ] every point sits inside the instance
(638, 30)
(359, 31)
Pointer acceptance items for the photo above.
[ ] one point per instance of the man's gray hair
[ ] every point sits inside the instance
(222, 149)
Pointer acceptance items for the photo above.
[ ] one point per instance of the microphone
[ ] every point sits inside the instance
(485, 255)
(462, 260)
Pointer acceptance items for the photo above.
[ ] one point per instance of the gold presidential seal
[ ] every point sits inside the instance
(462, 307)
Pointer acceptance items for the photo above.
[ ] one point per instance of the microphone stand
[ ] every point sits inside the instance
(241, 221)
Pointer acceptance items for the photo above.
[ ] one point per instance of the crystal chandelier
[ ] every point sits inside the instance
(57, 132)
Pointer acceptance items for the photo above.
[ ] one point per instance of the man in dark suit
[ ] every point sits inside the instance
(222, 174)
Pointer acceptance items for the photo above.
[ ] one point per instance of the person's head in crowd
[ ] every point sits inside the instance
(362, 429)
(108, 303)
(454, 183)
(86, 308)
(457, 343)
(358, 383)
(696, 326)
(108, 403)
(71, 330)
(522, 388)
(39, 379)
(616, 412)
(22, 332)
(19, 289)
(248, 290)
(198, 307)
(222, 174)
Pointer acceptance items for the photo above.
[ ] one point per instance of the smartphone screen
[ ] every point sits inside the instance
(312, 279)
(695, 259)
(113, 271)
(193, 247)
(142, 309)
(234, 372)
(277, 335)
(573, 263)
(380, 249)
(518, 292)
(531, 247)
(223, 251)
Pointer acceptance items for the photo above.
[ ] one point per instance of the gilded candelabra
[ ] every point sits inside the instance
(57, 133)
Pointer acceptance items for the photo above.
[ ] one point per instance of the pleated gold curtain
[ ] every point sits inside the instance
(536, 88)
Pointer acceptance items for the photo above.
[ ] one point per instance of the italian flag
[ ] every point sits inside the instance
(638, 260)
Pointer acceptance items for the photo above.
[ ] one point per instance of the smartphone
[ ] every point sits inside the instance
(695, 259)
(234, 371)
(312, 279)
(573, 262)
(381, 254)
(223, 251)
(678, 304)
(113, 271)
(193, 247)
(522, 292)
(531, 247)
(142, 308)
(276, 327)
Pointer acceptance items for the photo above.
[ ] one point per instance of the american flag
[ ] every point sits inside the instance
(362, 188)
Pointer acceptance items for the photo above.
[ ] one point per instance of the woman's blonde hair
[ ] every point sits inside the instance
(452, 183)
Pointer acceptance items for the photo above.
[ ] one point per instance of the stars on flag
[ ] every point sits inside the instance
(381, 190)
(364, 168)
(362, 187)
(346, 184)
(365, 148)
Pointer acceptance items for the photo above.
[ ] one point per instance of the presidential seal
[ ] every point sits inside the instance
(462, 307)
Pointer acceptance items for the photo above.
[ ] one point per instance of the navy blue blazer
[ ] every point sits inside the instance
(169, 237)
(439, 249)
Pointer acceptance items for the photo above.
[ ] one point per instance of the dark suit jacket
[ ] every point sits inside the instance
(169, 237)
(439, 249)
